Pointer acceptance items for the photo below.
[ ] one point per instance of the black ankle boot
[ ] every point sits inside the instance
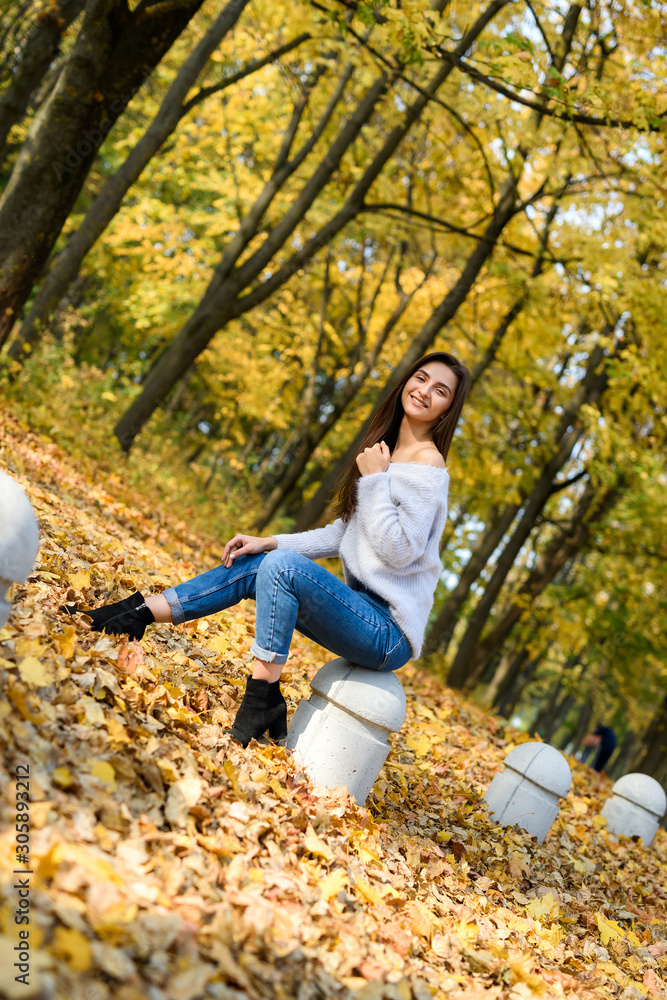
(263, 708)
(127, 617)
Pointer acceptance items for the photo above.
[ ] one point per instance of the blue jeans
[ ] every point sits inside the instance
(291, 591)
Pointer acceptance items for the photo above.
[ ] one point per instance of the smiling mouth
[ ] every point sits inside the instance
(418, 402)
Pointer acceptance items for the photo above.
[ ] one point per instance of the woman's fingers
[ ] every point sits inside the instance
(230, 550)
(373, 459)
(242, 545)
(228, 546)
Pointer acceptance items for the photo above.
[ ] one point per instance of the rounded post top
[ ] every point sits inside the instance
(543, 765)
(19, 535)
(642, 790)
(371, 695)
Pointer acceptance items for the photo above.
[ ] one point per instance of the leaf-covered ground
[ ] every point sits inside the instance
(167, 862)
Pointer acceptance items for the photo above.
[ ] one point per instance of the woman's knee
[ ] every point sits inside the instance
(280, 562)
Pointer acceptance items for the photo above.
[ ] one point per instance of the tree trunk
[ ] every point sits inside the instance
(107, 203)
(621, 761)
(224, 300)
(459, 673)
(510, 665)
(582, 726)
(441, 631)
(569, 431)
(548, 709)
(513, 688)
(558, 716)
(652, 757)
(40, 50)
(561, 548)
(504, 211)
(113, 54)
(516, 308)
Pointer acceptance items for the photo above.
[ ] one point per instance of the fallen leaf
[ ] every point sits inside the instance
(317, 846)
(333, 883)
(36, 673)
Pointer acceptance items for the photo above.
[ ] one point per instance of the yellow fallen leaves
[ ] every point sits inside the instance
(80, 580)
(365, 891)
(65, 642)
(333, 883)
(117, 732)
(542, 906)
(167, 858)
(609, 930)
(423, 922)
(182, 796)
(88, 858)
(103, 770)
(316, 845)
(35, 672)
(72, 946)
(62, 777)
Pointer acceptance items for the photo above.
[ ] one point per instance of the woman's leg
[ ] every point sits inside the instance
(215, 590)
(205, 594)
(159, 608)
(212, 591)
(292, 592)
(263, 707)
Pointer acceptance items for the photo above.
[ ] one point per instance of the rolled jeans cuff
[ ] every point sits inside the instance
(267, 656)
(177, 613)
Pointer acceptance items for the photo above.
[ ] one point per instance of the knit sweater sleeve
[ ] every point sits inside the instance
(315, 544)
(397, 517)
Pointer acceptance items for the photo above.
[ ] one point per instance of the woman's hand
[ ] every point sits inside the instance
(246, 545)
(375, 459)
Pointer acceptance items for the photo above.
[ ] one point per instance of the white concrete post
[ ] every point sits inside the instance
(636, 806)
(536, 776)
(19, 539)
(340, 734)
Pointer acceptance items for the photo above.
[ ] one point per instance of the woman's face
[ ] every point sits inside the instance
(428, 394)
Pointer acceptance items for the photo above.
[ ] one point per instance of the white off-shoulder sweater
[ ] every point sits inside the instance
(391, 542)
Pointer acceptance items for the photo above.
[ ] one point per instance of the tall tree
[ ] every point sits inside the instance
(224, 299)
(37, 54)
(174, 107)
(506, 206)
(114, 52)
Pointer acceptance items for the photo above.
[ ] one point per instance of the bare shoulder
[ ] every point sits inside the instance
(430, 456)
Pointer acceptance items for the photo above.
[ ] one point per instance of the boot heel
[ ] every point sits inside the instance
(277, 715)
(278, 729)
(263, 708)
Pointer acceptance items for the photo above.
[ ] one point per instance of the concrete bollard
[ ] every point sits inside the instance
(340, 734)
(636, 806)
(536, 776)
(19, 539)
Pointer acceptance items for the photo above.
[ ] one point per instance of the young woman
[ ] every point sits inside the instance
(391, 509)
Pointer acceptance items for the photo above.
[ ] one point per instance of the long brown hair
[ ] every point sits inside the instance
(387, 420)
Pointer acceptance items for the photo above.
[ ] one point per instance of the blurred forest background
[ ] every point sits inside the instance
(226, 230)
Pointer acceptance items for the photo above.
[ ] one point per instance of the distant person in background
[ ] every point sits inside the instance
(604, 739)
